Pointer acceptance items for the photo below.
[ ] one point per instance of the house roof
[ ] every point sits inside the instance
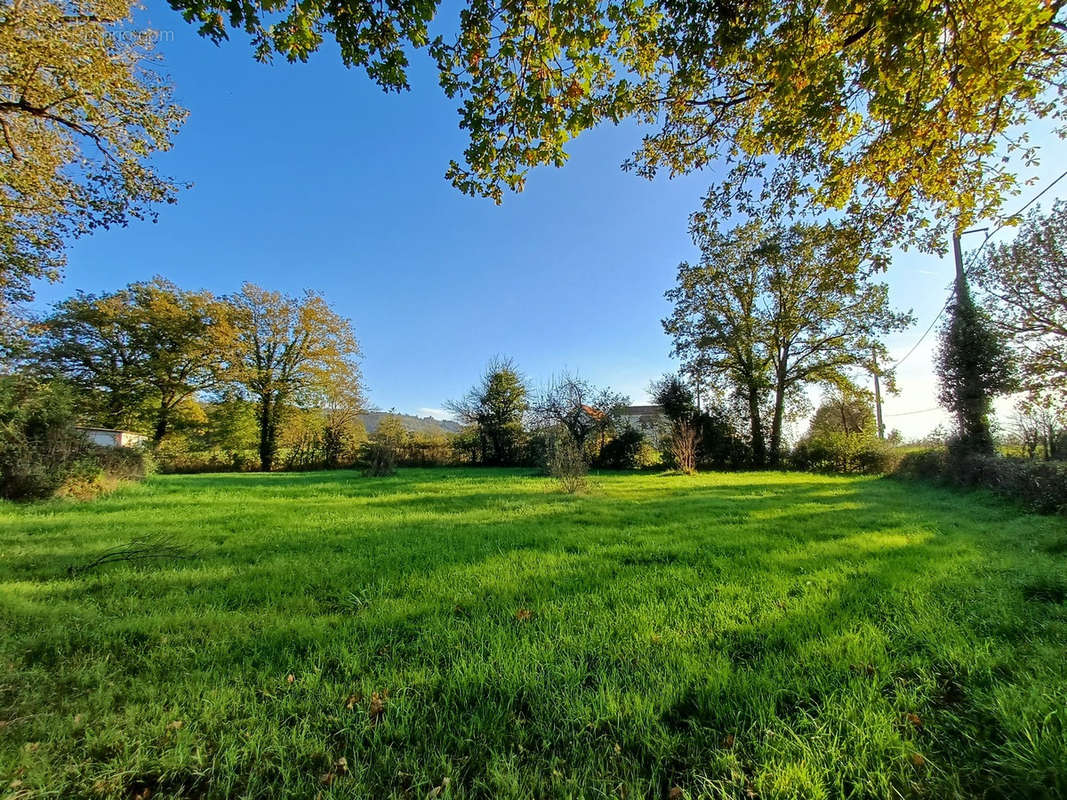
(105, 430)
(592, 412)
(642, 411)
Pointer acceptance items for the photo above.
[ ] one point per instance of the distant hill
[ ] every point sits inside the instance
(411, 423)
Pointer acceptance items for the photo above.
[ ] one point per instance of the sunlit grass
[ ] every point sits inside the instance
(729, 635)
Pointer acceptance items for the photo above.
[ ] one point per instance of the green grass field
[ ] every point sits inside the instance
(475, 633)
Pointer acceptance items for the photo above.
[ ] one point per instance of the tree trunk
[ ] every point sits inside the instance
(759, 447)
(162, 421)
(776, 425)
(267, 435)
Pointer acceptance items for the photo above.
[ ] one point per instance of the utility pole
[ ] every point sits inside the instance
(877, 396)
(957, 253)
(961, 276)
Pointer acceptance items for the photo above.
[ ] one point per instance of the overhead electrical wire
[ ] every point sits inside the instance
(973, 256)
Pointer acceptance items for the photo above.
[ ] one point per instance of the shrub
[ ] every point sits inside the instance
(1039, 486)
(681, 445)
(849, 453)
(105, 468)
(720, 446)
(39, 448)
(41, 453)
(379, 458)
(627, 450)
(565, 461)
(171, 460)
(926, 465)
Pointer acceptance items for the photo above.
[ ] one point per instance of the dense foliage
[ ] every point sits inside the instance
(41, 452)
(1039, 486)
(495, 409)
(843, 437)
(139, 353)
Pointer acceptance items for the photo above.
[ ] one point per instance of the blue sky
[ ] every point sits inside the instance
(308, 176)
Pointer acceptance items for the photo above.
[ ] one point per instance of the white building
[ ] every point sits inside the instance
(109, 437)
(647, 419)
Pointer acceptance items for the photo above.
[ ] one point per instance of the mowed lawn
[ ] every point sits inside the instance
(476, 633)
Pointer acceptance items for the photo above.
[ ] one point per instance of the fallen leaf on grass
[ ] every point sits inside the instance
(353, 700)
(341, 766)
(524, 615)
(918, 760)
(176, 725)
(728, 741)
(914, 719)
(437, 790)
(675, 793)
(377, 707)
(290, 678)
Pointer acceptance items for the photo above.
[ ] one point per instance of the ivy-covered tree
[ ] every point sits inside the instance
(973, 367)
(83, 108)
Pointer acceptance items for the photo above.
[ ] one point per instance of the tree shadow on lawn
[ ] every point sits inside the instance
(762, 613)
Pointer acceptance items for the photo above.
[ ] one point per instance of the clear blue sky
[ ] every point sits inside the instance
(308, 176)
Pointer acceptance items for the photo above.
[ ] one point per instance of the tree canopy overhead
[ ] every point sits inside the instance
(884, 110)
(82, 110)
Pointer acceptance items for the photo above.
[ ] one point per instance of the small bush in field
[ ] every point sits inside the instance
(379, 459)
(624, 451)
(565, 462)
(682, 445)
(104, 469)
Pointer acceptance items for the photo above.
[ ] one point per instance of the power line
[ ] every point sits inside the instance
(909, 413)
(973, 256)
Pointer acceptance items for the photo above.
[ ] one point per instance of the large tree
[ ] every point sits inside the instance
(771, 309)
(884, 110)
(83, 108)
(290, 351)
(1023, 284)
(495, 407)
(149, 344)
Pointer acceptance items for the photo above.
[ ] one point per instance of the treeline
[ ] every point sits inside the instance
(192, 370)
